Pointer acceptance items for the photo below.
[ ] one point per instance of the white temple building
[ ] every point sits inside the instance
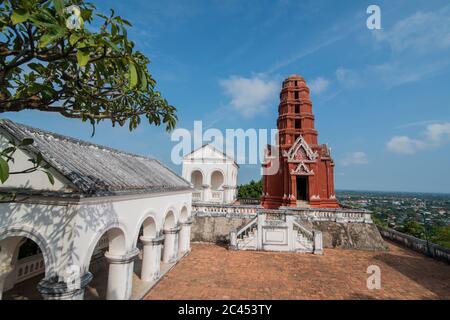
(212, 173)
(126, 213)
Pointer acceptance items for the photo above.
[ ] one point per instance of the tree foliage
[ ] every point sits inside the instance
(441, 235)
(251, 190)
(414, 228)
(89, 71)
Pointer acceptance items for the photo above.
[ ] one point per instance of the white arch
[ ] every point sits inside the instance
(39, 239)
(216, 186)
(150, 215)
(119, 243)
(170, 219)
(184, 213)
(202, 177)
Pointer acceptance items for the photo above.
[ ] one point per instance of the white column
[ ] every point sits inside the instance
(318, 242)
(53, 289)
(4, 273)
(170, 245)
(185, 238)
(206, 193)
(151, 260)
(120, 275)
(261, 217)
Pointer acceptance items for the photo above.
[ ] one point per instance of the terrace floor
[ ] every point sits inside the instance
(213, 272)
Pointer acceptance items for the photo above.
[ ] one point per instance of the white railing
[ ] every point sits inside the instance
(305, 232)
(29, 267)
(197, 195)
(241, 233)
(217, 196)
(334, 215)
(225, 209)
(314, 236)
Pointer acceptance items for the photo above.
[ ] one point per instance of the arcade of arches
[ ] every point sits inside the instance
(27, 263)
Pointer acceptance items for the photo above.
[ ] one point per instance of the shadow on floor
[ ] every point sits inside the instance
(412, 265)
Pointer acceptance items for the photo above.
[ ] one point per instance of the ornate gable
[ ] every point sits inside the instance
(301, 152)
(302, 170)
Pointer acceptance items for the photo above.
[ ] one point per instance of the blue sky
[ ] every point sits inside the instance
(381, 97)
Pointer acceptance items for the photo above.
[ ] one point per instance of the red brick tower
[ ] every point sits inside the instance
(305, 174)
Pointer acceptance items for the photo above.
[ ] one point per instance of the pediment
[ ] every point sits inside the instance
(301, 152)
(208, 152)
(302, 170)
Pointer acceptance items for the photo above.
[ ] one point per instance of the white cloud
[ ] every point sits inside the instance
(348, 78)
(396, 73)
(404, 145)
(435, 135)
(249, 96)
(420, 32)
(319, 85)
(357, 157)
(438, 133)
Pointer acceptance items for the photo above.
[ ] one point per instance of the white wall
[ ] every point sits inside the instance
(36, 180)
(68, 234)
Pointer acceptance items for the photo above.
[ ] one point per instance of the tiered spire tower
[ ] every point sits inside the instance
(305, 175)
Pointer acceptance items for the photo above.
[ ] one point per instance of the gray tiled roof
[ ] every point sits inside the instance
(95, 169)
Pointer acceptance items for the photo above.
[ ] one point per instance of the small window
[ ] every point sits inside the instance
(296, 95)
(297, 124)
(297, 108)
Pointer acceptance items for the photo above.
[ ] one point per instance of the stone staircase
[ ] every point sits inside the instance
(304, 238)
(276, 233)
(246, 238)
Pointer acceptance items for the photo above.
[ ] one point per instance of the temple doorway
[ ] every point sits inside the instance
(302, 188)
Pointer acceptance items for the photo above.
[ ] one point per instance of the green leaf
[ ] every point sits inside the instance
(51, 37)
(4, 170)
(9, 150)
(133, 74)
(50, 177)
(19, 16)
(143, 80)
(74, 38)
(82, 57)
(26, 142)
(39, 159)
(59, 6)
(39, 68)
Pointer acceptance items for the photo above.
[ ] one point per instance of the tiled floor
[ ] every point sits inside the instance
(213, 272)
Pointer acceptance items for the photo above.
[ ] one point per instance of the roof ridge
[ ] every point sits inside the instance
(75, 140)
(110, 169)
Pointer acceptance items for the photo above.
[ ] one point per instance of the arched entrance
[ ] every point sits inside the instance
(185, 232)
(197, 179)
(149, 242)
(170, 231)
(217, 181)
(107, 276)
(22, 267)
